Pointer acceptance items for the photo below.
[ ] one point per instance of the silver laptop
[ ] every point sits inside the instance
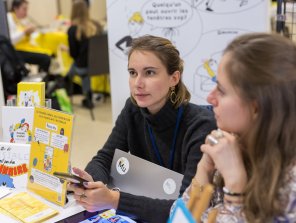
(137, 176)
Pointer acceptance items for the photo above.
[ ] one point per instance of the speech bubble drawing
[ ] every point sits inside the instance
(167, 13)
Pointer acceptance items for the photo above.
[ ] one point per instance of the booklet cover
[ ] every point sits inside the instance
(30, 94)
(181, 214)
(17, 124)
(14, 162)
(107, 217)
(50, 152)
(27, 208)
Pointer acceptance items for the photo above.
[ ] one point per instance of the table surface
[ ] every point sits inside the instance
(70, 209)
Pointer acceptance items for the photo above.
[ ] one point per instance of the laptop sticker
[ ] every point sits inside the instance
(122, 165)
(169, 186)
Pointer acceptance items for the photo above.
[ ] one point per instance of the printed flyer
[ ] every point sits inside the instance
(17, 124)
(27, 208)
(108, 217)
(30, 94)
(14, 162)
(50, 152)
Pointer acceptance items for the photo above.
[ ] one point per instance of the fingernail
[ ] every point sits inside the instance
(85, 183)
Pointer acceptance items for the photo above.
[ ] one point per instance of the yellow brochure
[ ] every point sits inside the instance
(30, 94)
(50, 152)
(27, 208)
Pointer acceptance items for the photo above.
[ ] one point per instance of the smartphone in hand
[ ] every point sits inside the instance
(70, 178)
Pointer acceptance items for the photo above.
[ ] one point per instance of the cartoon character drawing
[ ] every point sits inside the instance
(206, 77)
(20, 132)
(66, 148)
(47, 162)
(211, 67)
(209, 3)
(95, 218)
(62, 131)
(243, 2)
(135, 24)
(6, 181)
(29, 98)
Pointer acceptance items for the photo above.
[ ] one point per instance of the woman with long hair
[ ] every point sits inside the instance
(254, 150)
(157, 123)
(79, 33)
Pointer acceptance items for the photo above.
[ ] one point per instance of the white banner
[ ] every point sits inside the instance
(200, 29)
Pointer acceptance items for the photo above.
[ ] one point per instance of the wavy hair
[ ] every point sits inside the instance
(263, 70)
(169, 56)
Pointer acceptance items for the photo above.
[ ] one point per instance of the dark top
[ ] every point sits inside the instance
(130, 134)
(78, 48)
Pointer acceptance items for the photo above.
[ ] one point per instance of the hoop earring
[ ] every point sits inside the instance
(173, 95)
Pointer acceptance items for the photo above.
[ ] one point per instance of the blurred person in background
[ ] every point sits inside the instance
(81, 30)
(20, 30)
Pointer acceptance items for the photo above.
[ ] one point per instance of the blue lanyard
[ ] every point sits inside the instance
(173, 146)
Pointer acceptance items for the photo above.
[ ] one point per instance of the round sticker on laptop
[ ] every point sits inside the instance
(169, 186)
(122, 165)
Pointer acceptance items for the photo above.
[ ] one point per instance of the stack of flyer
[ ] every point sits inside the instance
(36, 142)
(17, 121)
(17, 130)
(26, 208)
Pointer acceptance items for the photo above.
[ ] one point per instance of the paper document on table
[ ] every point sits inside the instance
(27, 208)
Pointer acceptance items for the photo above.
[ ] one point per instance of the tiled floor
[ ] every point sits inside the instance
(89, 136)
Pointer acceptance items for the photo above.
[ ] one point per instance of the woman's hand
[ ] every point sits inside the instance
(96, 196)
(29, 29)
(206, 164)
(83, 174)
(227, 157)
(205, 170)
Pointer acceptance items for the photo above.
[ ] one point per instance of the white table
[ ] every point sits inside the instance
(70, 209)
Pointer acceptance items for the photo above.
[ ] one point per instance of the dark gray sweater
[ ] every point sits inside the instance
(130, 134)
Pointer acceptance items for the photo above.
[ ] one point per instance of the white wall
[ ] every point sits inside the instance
(44, 12)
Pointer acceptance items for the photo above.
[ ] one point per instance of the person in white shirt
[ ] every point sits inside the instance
(20, 30)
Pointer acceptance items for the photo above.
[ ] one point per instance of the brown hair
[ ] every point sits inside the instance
(17, 3)
(263, 70)
(169, 56)
(80, 17)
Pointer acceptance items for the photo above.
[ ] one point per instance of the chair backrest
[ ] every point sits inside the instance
(98, 55)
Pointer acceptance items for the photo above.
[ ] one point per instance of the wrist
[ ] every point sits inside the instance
(231, 193)
(236, 187)
(232, 197)
(236, 184)
(115, 194)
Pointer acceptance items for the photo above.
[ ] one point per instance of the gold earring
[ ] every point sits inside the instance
(173, 95)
